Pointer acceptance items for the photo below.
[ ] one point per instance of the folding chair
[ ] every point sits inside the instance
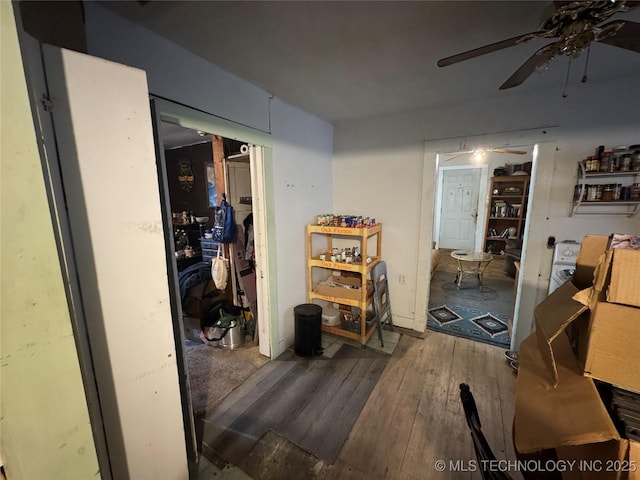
(381, 301)
(480, 444)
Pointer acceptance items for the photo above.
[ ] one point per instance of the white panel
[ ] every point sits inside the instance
(46, 432)
(467, 228)
(103, 128)
(467, 200)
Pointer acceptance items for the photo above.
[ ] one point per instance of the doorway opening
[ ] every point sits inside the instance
(474, 277)
(201, 169)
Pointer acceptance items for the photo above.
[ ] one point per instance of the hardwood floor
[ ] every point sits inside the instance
(412, 418)
(414, 415)
(312, 402)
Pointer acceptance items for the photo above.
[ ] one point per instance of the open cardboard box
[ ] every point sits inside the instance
(570, 418)
(617, 277)
(557, 404)
(605, 335)
(344, 287)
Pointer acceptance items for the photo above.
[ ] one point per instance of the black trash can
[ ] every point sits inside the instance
(308, 329)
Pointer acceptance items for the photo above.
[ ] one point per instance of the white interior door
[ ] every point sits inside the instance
(459, 208)
(108, 171)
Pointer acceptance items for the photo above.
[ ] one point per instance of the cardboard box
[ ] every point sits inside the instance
(624, 282)
(617, 278)
(557, 404)
(634, 459)
(608, 345)
(571, 418)
(589, 257)
(604, 335)
(552, 316)
(344, 287)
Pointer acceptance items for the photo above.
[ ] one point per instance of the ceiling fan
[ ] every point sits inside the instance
(574, 25)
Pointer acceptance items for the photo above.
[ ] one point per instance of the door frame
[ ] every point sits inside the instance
(482, 192)
(543, 141)
(264, 221)
(260, 169)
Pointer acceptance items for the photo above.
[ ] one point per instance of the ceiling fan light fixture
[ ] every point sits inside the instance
(479, 155)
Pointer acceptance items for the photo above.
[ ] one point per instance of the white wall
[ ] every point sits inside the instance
(45, 420)
(386, 154)
(302, 188)
(302, 144)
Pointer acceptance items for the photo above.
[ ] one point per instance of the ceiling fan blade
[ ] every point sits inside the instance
(508, 150)
(493, 47)
(627, 37)
(457, 155)
(539, 58)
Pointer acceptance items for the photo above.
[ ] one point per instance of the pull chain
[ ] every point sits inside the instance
(586, 65)
(566, 80)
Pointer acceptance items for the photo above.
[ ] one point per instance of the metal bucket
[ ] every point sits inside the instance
(235, 337)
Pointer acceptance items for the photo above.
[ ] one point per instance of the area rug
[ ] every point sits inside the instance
(471, 323)
(480, 314)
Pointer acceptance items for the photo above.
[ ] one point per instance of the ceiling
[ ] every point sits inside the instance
(351, 60)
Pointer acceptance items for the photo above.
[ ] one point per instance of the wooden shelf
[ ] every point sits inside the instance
(365, 297)
(358, 232)
(499, 223)
(353, 335)
(346, 267)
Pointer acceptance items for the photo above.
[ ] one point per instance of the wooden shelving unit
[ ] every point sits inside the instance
(363, 298)
(507, 209)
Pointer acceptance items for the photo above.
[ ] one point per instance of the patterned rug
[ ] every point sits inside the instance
(480, 314)
(471, 323)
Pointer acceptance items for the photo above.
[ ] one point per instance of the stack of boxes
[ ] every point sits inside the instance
(588, 329)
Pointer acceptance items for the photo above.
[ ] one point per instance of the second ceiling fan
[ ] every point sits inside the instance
(574, 25)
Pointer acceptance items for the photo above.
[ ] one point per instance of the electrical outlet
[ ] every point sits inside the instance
(402, 279)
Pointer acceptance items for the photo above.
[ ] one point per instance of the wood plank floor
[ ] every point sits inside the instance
(310, 402)
(414, 416)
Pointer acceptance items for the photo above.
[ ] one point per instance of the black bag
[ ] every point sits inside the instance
(224, 225)
(222, 315)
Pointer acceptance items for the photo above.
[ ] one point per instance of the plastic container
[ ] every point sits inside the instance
(330, 316)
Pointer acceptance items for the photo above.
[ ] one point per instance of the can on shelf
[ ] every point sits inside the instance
(635, 161)
(605, 162)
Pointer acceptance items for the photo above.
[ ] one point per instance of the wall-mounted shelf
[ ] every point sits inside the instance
(583, 204)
